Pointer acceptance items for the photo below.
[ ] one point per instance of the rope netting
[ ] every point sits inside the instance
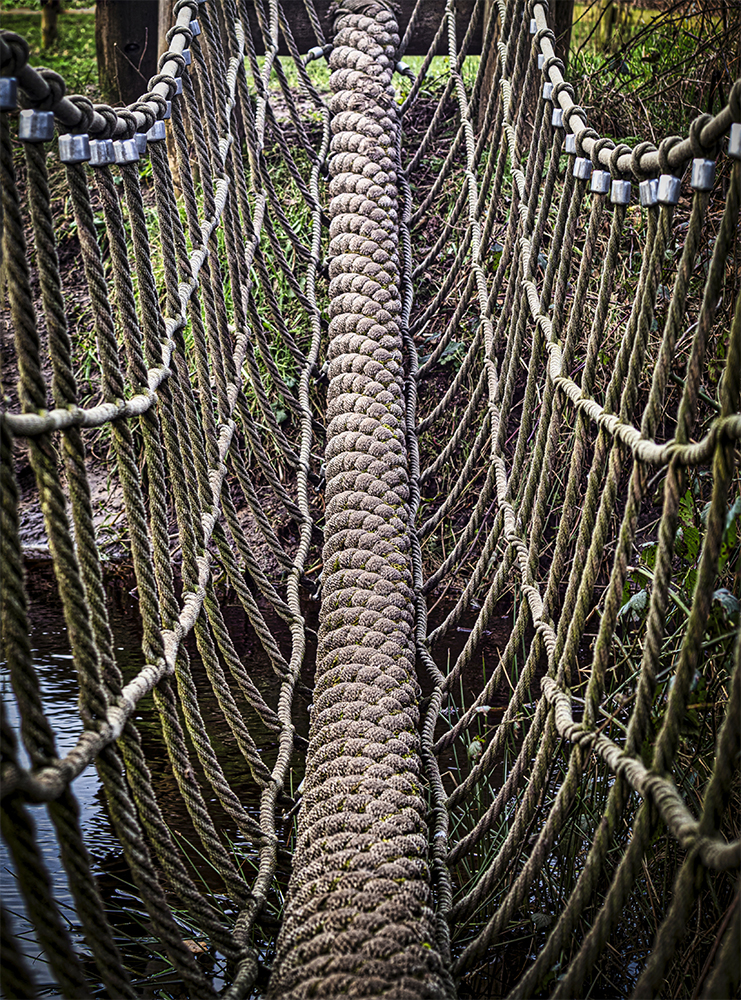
(433, 335)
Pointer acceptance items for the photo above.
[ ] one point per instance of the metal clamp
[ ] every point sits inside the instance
(620, 192)
(36, 126)
(557, 118)
(703, 174)
(600, 182)
(734, 141)
(102, 153)
(669, 189)
(582, 168)
(140, 138)
(195, 28)
(8, 93)
(648, 192)
(547, 91)
(156, 132)
(125, 151)
(74, 148)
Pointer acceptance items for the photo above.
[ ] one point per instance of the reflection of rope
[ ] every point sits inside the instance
(208, 327)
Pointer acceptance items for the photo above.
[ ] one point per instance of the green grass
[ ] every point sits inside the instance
(74, 55)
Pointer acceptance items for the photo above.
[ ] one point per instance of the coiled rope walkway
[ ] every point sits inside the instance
(423, 829)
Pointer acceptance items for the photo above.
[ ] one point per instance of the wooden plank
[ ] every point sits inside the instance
(427, 24)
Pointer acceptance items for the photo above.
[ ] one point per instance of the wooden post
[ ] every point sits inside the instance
(126, 46)
(49, 26)
(563, 17)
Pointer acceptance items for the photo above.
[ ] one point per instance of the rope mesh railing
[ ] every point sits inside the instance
(525, 343)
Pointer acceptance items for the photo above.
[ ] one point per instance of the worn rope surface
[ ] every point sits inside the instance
(501, 426)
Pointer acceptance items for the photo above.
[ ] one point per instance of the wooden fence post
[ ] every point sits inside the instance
(126, 46)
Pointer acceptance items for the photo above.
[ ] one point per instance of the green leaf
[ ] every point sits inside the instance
(636, 607)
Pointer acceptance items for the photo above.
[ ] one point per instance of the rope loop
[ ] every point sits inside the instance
(192, 6)
(564, 87)
(553, 62)
(169, 82)
(179, 29)
(111, 121)
(130, 118)
(171, 56)
(159, 101)
(621, 149)
(87, 112)
(144, 109)
(545, 33)
(639, 151)
(57, 89)
(537, 3)
(575, 109)
(587, 133)
(664, 146)
(699, 151)
(597, 148)
(18, 48)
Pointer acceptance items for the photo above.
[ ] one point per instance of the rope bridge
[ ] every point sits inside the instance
(461, 358)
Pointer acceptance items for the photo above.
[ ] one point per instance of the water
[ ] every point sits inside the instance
(55, 667)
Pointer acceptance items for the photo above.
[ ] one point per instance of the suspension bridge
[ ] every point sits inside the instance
(432, 355)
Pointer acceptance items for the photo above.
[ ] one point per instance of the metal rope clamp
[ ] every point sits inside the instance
(648, 192)
(583, 168)
(102, 153)
(8, 93)
(670, 188)
(703, 174)
(74, 148)
(126, 151)
(36, 126)
(620, 192)
(600, 181)
(569, 145)
(734, 141)
(156, 132)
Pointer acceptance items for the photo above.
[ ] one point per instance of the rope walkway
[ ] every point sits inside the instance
(280, 398)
